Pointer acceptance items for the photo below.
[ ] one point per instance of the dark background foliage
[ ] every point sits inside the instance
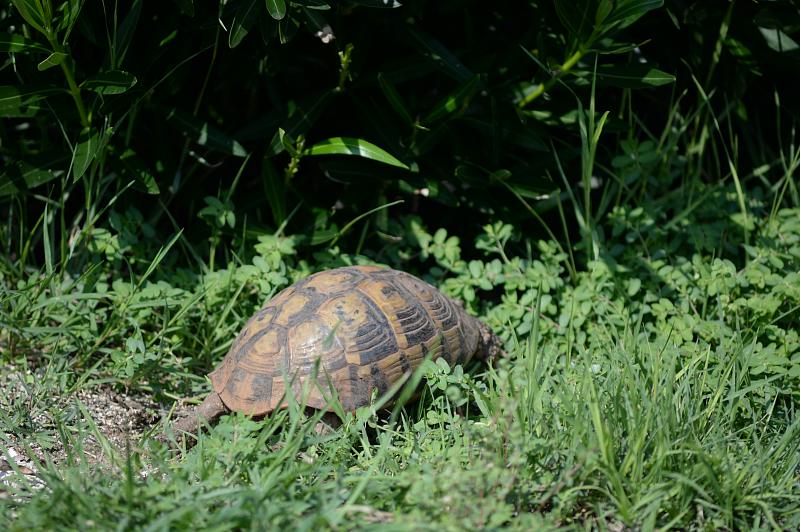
(189, 102)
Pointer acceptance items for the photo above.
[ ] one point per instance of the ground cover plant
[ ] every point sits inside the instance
(610, 186)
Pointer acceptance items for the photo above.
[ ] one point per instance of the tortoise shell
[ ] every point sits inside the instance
(365, 326)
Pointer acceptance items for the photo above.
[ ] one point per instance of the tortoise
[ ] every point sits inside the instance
(357, 329)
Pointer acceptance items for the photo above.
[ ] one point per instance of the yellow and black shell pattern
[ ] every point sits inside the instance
(356, 329)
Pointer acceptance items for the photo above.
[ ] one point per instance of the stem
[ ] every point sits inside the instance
(543, 87)
(211, 253)
(208, 74)
(45, 8)
(75, 91)
(344, 72)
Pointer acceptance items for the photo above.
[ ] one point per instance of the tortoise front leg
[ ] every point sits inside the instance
(209, 411)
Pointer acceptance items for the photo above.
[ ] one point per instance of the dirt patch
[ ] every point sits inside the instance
(30, 431)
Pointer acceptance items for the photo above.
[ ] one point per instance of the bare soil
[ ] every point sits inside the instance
(29, 433)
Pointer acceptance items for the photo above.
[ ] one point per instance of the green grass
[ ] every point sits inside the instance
(659, 390)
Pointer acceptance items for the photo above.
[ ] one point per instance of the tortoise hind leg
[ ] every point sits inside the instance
(490, 346)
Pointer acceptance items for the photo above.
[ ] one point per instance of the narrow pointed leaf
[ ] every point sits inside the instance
(778, 40)
(361, 216)
(394, 98)
(274, 190)
(439, 55)
(604, 9)
(626, 12)
(287, 29)
(29, 174)
(453, 102)
(630, 76)
(352, 146)
(276, 8)
(287, 142)
(54, 59)
(14, 100)
(30, 11)
(576, 16)
(313, 4)
(85, 152)
(126, 31)
(245, 17)
(10, 42)
(110, 82)
(323, 234)
(69, 16)
(16, 177)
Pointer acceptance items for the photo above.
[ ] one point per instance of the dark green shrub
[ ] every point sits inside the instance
(187, 110)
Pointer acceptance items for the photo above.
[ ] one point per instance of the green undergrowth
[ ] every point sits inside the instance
(612, 189)
(654, 386)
